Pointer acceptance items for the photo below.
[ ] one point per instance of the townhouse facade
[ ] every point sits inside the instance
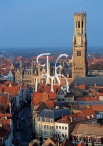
(65, 125)
(6, 129)
(45, 122)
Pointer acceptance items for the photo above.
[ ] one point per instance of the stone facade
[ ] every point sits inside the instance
(79, 64)
(28, 75)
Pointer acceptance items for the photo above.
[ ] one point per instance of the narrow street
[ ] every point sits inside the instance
(23, 127)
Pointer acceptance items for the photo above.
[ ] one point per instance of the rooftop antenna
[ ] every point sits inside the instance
(75, 9)
(80, 9)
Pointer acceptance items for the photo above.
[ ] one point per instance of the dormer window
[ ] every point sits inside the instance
(88, 117)
(62, 121)
(74, 119)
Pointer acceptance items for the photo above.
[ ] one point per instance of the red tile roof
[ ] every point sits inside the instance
(9, 116)
(13, 90)
(39, 97)
(4, 101)
(98, 108)
(81, 144)
(80, 115)
(67, 142)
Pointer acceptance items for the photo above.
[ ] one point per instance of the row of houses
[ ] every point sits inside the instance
(12, 98)
(55, 118)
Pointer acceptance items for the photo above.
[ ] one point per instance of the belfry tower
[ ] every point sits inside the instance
(79, 63)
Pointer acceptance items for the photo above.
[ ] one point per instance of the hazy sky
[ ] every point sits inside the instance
(48, 23)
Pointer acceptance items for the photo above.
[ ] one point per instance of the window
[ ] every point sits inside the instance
(44, 126)
(44, 132)
(52, 127)
(51, 120)
(78, 53)
(62, 127)
(78, 24)
(62, 120)
(56, 127)
(89, 139)
(46, 120)
(47, 126)
(65, 128)
(59, 127)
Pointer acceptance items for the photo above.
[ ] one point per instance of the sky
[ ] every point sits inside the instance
(48, 23)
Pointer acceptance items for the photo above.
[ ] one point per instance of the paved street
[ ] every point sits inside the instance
(23, 127)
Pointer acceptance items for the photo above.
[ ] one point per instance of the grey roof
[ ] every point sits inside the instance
(6, 74)
(3, 94)
(89, 81)
(85, 103)
(54, 113)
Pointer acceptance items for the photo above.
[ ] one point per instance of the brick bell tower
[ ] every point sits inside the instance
(79, 63)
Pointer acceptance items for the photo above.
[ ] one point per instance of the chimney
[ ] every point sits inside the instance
(89, 106)
(71, 119)
(0, 124)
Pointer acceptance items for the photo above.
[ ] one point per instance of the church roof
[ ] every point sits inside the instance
(88, 81)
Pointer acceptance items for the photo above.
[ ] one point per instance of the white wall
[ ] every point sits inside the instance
(61, 131)
(101, 98)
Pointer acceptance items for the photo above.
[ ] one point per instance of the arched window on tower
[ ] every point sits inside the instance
(82, 27)
(78, 24)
